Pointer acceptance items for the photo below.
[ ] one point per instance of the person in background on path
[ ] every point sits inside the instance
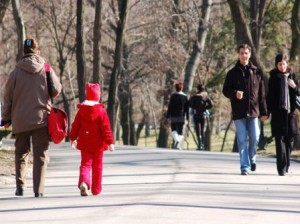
(200, 104)
(92, 135)
(26, 107)
(178, 111)
(281, 101)
(244, 86)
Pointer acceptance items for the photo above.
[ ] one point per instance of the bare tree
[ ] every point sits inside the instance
(97, 41)
(164, 132)
(257, 9)
(295, 47)
(20, 27)
(80, 53)
(63, 44)
(199, 44)
(295, 25)
(3, 8)
(242, 32)
(118, 65)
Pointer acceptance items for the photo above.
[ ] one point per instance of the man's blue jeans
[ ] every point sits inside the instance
(247, 132)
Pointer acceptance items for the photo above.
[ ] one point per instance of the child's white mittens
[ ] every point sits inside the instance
(292, 83)
(74, 144)
(111, 147)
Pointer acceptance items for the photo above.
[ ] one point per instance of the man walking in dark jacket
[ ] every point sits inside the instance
(244, 86)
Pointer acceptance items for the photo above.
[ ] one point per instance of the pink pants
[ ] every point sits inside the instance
(91, 161)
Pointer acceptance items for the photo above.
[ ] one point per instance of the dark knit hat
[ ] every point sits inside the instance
(92, 91)
(30, 46)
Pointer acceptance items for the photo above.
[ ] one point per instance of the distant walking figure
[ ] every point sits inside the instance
(200, 104)
(178, 111)
(91, 134)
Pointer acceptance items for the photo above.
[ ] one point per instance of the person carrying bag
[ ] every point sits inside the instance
(26, 105)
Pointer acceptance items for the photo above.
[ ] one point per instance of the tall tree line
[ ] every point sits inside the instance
(137, 50)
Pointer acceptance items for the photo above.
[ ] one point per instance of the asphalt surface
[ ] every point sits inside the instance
(150, 185)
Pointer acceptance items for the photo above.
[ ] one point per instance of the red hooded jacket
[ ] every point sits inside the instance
(91, 128)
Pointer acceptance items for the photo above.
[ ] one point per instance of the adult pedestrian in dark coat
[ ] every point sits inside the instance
(200, 104)
(178, 111)
(281, 101)
(244, 86)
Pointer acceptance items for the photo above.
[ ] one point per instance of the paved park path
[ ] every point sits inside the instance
(150, 185)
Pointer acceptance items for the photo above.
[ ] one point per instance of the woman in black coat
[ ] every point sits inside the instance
(178, 111)
(200, 104)
(281, 101)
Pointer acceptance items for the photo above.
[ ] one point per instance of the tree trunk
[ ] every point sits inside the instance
(163, 134)
(124, 115)
(242, 32)
(132, 137)
(296, 145)
(3, 8)
(80, 54)
(113, 87)
(208, 133)
(225, 135)
(97, 43)
(295, 25)
(143, 123)
(152, 111)
(20, 27)
(198, 47)
(139, 130)
(257, 9)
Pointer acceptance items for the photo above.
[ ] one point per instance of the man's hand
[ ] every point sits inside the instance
(239, 95)
(5, 124)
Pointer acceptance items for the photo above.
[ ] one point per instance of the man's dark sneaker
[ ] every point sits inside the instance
(244, 173)
(38, 195)
(253, 167)
(19, 191)
(281, 173)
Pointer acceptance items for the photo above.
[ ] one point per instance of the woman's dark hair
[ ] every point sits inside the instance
(30, 46)
(200, 88)
(279, 58)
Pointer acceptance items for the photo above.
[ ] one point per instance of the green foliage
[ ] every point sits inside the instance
(276, 35)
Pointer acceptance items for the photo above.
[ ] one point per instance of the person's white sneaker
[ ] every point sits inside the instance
(83, 189)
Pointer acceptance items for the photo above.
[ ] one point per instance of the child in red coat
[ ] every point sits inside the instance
(92, 135)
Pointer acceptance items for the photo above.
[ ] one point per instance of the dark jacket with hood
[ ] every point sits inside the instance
(199, 103)
(26, 100)
(282, 123)
(91, 127)
(250, 80)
